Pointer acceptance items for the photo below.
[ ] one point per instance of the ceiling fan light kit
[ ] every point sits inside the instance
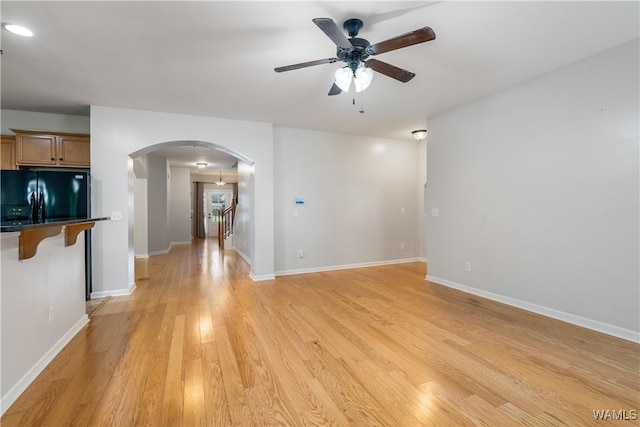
(343, 78)
(355, 53)
(362, 79)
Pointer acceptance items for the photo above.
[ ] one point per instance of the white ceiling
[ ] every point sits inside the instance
(215, 58)
(218, 163)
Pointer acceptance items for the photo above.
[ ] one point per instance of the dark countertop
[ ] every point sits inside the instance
(19, 225)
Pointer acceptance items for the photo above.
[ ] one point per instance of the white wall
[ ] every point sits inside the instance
(244, 227)
(422, 202)
(54, 277)
(354, 188)
(179, 205)
(537, 187)
(141, 224)
(116, 133)
(157, 202)
(27, 120)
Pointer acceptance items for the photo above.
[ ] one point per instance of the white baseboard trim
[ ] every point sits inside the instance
(183, 242)
(594, 325)
(252, 276)
(262, 277)
(162, 252)
(142, 256)
(114, 293)
(242, 255)
(345, 266)
(421, 259)
(14, 392)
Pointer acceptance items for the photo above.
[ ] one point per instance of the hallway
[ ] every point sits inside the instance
(199, 343)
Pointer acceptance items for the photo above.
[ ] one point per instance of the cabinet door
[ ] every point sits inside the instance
(8, 152)
(74, 151)
(36, 149)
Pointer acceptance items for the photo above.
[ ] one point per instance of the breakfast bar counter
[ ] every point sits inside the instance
(32, 233)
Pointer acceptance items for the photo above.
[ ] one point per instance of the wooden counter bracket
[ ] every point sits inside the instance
(30, 239)
(71, 232)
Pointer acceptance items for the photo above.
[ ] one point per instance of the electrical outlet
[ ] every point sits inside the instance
(435, 212)
(402, 210)
(116, 216)
(402, 246)
(50, 314)
(300, 253)
(467, 266)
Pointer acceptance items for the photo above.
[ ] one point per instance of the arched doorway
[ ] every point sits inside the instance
(168, 199)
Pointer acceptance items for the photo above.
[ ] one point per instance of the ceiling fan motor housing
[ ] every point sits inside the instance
(357, 55)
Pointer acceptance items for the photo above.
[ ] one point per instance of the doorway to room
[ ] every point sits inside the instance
(214, 203)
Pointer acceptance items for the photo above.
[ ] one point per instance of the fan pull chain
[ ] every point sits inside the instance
(361, 103)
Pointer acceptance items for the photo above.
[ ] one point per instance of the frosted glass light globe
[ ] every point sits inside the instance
(343, 78)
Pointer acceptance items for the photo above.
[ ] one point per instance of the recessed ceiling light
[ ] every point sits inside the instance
(17, 29)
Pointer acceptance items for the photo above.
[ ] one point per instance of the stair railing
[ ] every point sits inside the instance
(225, 226)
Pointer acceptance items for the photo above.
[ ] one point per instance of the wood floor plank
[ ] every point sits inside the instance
(106, 410)
(200, 344)
(216, 406)
(127, 411)
(194, 403)
(235, 392)
(150, 403)
(73, 393)
(206, 323)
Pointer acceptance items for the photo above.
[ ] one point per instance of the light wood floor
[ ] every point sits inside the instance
(199, 343)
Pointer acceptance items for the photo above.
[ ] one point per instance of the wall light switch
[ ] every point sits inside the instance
(435, 212)
(295, 212)
(401, 210)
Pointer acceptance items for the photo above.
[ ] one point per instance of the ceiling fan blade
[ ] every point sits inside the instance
(390, 70)
(335, 90)
(305, 64)
(418, 36)
(329, 27)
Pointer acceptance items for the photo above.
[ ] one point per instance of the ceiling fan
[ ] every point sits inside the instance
(356, 51)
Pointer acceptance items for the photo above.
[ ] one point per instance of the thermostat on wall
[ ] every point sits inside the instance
(299, 201)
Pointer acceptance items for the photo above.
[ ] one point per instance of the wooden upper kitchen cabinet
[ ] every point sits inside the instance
(8, 152)
(55, 149)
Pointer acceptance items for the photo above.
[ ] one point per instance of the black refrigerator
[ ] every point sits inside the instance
(31, 196)
(62, 194)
